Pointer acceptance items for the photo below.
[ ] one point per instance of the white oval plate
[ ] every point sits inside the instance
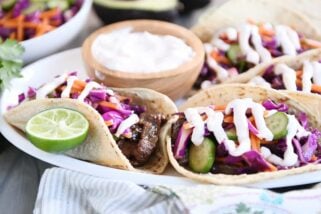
(43, 71)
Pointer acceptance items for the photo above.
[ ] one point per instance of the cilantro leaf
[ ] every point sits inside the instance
(10, 61)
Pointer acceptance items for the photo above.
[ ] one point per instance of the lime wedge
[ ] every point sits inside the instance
(57, 130)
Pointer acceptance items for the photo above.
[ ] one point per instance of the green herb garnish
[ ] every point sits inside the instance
(10, 61)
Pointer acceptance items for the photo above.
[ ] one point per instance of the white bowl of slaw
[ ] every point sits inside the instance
(57, 39)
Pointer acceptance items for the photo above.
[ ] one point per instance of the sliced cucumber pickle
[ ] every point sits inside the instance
(201, 158)
(231, 134)
(277, 123)
(61, 4)
(233, 53)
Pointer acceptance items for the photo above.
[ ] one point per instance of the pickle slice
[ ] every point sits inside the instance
(277, 123)
(201, 158)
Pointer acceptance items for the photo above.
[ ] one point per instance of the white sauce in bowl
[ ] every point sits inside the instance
(128, 51)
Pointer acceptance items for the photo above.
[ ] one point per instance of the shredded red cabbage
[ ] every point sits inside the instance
(180, 146)
(271, 105)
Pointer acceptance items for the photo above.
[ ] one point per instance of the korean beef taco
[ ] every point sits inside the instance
(238, 38)
(240, 134)
(125, 125)
(300, 73)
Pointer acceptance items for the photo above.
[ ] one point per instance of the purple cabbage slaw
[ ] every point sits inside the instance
(120, 109)
(20, 8)
(308, 148)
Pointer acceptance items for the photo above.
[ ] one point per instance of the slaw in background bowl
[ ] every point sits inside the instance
(57, 39)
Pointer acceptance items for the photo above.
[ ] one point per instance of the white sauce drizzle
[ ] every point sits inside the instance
(307, 76)
(70, 81)
(221, 72)
(288, 76)
(244, 37)
(316, 73)
(50, 87)
(284, 40)
(220, 44)
(265, 55)
(127, 123)
(194, 118)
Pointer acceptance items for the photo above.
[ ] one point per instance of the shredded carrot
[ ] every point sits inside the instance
(251, 21)
(109, 123)
(20, 28)
(312, 43)
(50, 13)
(78, 86)
(314, 158)
(219, 58)
(108, 104)
(255, 142)
(13, 35)
(229, 119)
(299, 73)
(315, 88)
(266, 32)
(220, 107)
(20, 24)
(272, 168)
(187, 125)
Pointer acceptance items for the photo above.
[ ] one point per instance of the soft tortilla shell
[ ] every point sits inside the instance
(100, 147)
(235, 12)
(222, 94)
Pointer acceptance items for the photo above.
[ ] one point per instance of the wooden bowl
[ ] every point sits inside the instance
(175, 82)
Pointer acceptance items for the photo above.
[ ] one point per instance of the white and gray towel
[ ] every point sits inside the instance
(63, 191)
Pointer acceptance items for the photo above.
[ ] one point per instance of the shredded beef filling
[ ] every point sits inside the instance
(140, 147)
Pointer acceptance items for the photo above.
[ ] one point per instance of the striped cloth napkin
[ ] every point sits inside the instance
(63, 191)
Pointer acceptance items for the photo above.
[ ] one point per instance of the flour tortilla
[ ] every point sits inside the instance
(236, 12)
(311, 8)
(222, 94)
(100, 147)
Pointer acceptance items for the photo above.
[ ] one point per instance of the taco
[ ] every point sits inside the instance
(300, 73)
(238, 38)
(125, 125)
(241, 134)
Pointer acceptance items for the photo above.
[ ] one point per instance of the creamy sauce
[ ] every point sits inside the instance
(307, 76)
(128, 51)
(222, 73)
(70, 81)
(284, 40)
(50, 87)
(194, 118)
(265, 55)
(316, 73)
(220, 44)
(252, 56)
(288, 76)
(127, 123)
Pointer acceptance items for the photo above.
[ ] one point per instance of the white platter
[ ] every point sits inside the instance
(43, 71)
